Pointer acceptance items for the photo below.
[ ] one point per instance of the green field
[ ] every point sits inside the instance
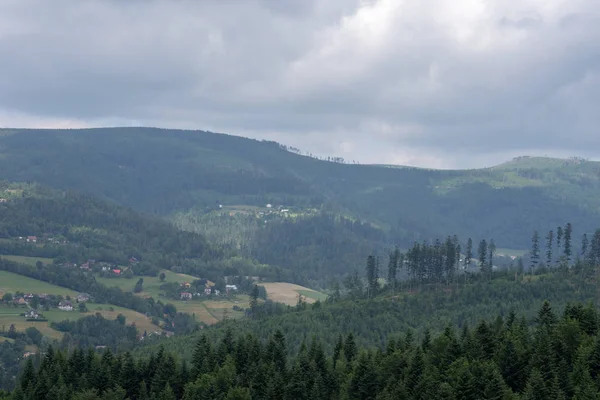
(11, 316)
(213, 311)
(151, 284)
(311, 294)
(27, 260)
(108, 311)
(11, 283)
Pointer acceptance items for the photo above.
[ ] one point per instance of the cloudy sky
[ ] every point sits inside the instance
(437, 83)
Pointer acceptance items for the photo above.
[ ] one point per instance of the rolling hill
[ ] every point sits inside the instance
(178, 174)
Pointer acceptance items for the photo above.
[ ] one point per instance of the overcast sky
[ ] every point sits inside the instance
(436, 83)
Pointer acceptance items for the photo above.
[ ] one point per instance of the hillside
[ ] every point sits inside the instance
(69, 227)
(429, 308)
(183, 174)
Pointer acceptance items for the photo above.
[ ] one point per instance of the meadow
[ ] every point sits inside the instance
(151, 284)
(11, 283)
(26, 260)
(287, 293)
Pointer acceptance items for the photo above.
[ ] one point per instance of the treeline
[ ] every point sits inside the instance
(75, 279)
(559, 250)
(505, 358)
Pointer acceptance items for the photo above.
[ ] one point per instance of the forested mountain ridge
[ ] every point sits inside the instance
(71, 227)
(168, 171)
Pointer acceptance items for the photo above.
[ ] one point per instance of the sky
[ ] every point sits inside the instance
(430, 83)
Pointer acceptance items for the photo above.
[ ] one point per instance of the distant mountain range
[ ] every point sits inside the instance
(174, 173)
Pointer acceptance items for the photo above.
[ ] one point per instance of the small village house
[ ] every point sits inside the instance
(83, 297)
(186, 296)
(65, 306)
(231, 288)
(207, 291)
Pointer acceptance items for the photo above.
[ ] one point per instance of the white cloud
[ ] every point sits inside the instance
(434, 83)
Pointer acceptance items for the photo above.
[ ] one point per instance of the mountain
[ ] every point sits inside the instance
(184, 175)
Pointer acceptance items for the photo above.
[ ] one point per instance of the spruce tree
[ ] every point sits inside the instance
(584, 245)
(350, 350)
(469, 253)
(568, 251)
(372, 276)
(536, 388)
(549, 243)
(491, 253)
(559, 237)
(535, 250)
(482, 255)
(254, 300)
(393, 268)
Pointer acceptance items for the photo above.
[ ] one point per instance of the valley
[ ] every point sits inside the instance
(259, 242)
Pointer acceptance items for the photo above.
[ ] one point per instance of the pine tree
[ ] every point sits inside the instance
(337, 351)
(372, 276)
(393, 268)
(536, 388)
(469, 253)
(254, 299)
(350, 348)
(535, 250)
(549, 242)
(28, 379)
(584, 245)
(482, 256)
(559, 236)
(567, 236)
(415, 371)
(491, 253)
(202, 357)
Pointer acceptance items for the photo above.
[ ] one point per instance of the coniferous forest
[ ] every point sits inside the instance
(554, 356)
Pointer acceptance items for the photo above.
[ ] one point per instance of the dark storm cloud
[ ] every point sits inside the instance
(430, 82)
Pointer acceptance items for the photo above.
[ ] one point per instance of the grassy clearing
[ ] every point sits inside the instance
(213, 311)
(5, 339)
(151, 284)
(11, 316)
(311, 294)
(287, 293)
(11, 283)
(27, 260)
(108, 311)
(199, 310)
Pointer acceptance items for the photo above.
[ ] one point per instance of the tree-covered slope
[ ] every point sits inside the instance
(72, 228)
(168, 171)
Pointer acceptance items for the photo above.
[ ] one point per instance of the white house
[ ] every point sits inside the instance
(65, 306)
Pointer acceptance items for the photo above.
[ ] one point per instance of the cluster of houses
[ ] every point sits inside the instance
(46, 238)
(101, 266)
(157, 333)
(209, 290)
(64, 305)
